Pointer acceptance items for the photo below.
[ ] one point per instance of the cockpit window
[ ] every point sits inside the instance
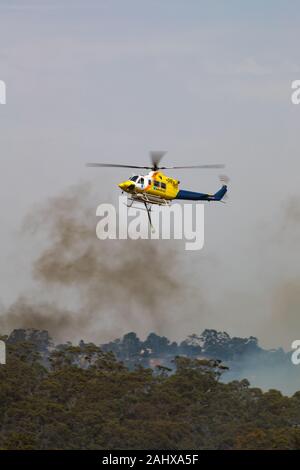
(133, 178)
(140, 180)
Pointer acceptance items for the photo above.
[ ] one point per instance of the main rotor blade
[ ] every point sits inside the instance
(115, 165)
(156, 157)
(155, 167)
(191, 166)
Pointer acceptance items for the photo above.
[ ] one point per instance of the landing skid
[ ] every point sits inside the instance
(147, 200)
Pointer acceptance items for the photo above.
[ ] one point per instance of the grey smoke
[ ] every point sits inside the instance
(113, 285)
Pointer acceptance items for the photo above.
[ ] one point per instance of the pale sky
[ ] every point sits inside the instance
(210, 81)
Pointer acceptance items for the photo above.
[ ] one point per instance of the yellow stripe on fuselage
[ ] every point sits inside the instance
(171, 190)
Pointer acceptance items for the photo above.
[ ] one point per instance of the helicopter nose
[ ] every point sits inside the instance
(124, 186)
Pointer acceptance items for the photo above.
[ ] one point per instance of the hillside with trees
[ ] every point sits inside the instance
(84, 398)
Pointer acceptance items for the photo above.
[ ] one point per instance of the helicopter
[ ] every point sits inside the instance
(157, 188)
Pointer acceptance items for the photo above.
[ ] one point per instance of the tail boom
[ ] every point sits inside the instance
(193, 196)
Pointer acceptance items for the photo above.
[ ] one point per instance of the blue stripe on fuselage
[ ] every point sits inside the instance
(192, 196)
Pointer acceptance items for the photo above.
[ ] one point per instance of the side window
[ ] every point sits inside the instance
(156, 184)
(142, 181)
(149, 182)
(163, 185)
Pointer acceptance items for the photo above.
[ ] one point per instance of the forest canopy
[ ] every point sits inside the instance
(86, 399)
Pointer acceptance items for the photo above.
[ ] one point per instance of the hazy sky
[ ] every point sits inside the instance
(210, 81)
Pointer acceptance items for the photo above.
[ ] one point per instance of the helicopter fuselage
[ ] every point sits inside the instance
(155, 183)
(161, 188)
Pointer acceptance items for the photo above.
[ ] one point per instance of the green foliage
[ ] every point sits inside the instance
(88, 400)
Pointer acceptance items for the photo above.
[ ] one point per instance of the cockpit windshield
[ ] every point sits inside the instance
(133, 178)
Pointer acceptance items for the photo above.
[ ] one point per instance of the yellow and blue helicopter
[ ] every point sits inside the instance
(158, 188)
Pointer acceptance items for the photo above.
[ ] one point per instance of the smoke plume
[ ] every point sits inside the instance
(96, 289)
